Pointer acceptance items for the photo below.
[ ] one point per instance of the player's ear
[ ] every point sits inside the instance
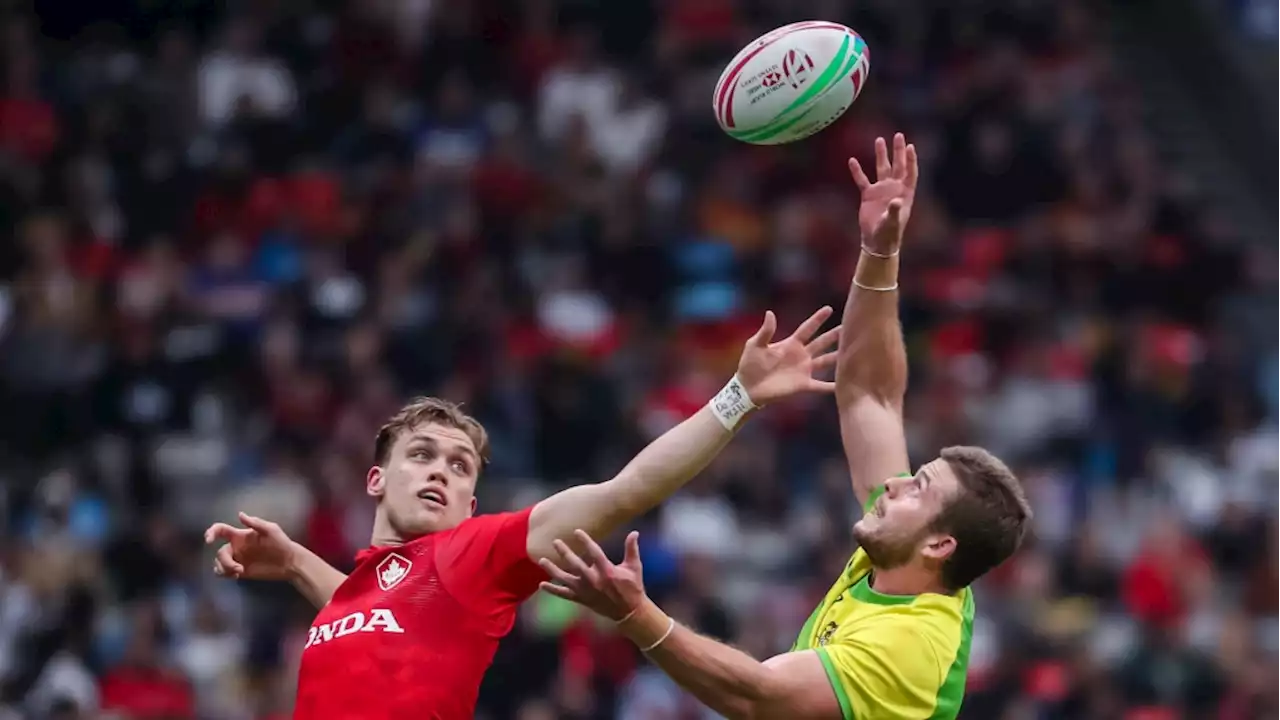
(471, 510)
(375, 483)
(938, 547)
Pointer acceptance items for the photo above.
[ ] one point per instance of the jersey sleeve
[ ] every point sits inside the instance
(486, 557)
(892, 671)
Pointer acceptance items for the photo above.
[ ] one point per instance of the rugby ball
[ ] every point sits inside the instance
(791, 82)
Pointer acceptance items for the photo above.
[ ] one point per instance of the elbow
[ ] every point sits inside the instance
(760, 697)
(628, 495)
(851, 371)
(850, 385)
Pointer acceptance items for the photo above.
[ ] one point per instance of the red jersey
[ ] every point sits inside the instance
(413, 629)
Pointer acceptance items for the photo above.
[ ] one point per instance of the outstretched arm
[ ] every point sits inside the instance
(793, 685)
(871, 370)
(768, 371)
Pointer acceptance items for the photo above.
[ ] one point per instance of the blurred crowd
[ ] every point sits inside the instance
(238, 235)
(1255, 18)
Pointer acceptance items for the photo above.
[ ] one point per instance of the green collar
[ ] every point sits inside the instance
(863, 592)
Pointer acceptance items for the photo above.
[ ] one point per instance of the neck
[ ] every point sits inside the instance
(906, 580)
(383, 535)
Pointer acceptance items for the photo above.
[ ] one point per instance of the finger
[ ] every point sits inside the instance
(571, 560)
(810, 326)
(764, 335)
(859, 177)
(556, 573)
(822, 362)
(821, 386)
(899, 156)
(824, 341)
(913, 169)
(594, 551)
(631, 557)
(883, 169)
(227, 561)
(221, 531)
(253, 522)
(559, 591)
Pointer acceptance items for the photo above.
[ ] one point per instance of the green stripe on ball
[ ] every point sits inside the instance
(836, 70)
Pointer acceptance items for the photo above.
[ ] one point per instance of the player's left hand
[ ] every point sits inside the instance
(886, 204)
(614, 591)
(774, 370)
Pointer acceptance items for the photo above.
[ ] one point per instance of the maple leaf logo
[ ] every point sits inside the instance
(392, 570)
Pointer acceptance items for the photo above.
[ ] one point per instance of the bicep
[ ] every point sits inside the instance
(593, 508)
(802, 689)
(875, 443)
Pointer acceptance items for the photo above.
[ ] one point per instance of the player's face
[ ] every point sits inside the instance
(899, 526)
(429, 481)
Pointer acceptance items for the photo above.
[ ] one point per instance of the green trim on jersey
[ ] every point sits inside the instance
(862, 591)
(807, 631)
(833, 677)
(951, 693)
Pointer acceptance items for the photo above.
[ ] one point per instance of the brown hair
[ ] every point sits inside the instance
(988, 518)
(427, 410)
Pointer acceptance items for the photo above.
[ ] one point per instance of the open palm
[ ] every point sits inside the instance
(774, 370)
(886, 203)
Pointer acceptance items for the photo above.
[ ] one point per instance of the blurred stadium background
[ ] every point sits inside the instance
(237, 234)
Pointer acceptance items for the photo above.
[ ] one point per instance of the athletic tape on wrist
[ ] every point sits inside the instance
(731, 404)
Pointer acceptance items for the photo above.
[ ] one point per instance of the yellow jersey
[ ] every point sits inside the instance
(891, 657)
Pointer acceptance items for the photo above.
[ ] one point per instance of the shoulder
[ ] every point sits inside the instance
(483, 529)
(940, 623)
(922, 637)
(487, 555)
(906, 633)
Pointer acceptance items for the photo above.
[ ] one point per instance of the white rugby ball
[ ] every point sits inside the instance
(791, 82)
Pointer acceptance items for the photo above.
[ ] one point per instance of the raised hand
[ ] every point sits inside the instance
(258, 551)
(886, 203)
(614, 591)
(774, 370)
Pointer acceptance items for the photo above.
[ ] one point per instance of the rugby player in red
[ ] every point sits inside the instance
(412, 630)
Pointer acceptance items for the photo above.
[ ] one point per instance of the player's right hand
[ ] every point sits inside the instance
(886, 203)
(258, 551)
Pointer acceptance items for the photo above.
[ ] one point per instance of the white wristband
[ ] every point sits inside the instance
(731, 404)
(671, 626)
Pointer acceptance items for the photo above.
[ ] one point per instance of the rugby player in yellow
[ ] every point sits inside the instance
(890, 640)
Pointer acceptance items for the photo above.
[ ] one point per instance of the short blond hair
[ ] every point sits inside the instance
(425, 411)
